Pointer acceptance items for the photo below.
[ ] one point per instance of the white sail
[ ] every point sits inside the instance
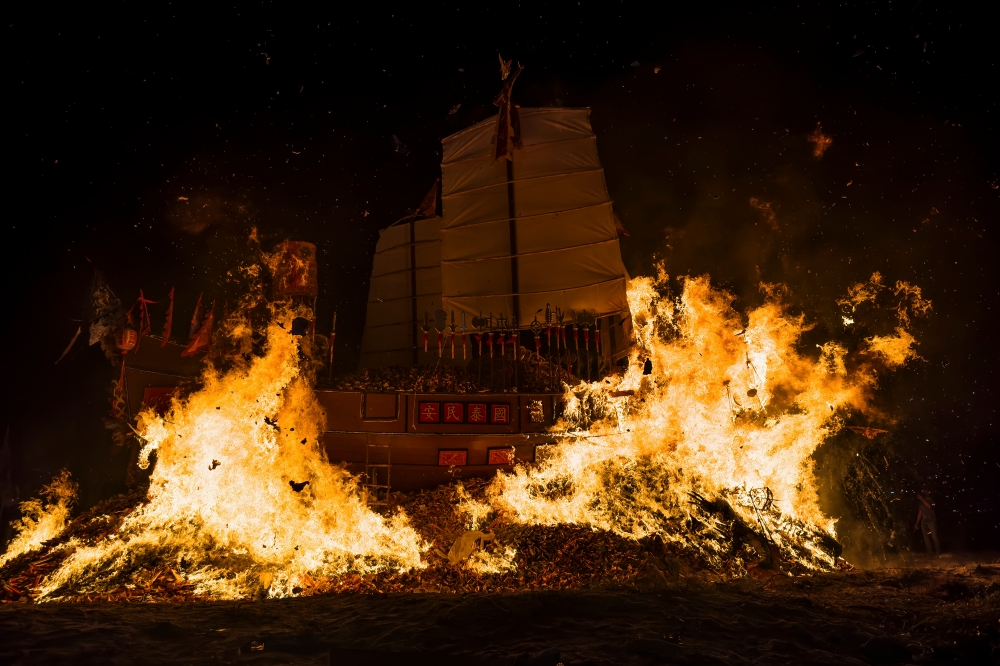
(514, 237)
(535, 230)
(406, 283)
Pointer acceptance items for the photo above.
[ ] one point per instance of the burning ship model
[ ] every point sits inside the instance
(508, 280)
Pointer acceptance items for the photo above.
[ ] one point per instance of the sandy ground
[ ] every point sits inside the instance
(922, 611)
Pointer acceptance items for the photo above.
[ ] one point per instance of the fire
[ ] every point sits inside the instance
(242, 498)
(39, 522)
(721, 434)
(732, 410)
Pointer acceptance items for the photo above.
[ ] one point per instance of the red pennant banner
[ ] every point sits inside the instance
(170, 319)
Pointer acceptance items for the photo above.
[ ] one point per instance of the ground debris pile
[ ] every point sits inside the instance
(502, 555)
(21, 577)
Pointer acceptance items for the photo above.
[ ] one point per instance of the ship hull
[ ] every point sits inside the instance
(406, 440)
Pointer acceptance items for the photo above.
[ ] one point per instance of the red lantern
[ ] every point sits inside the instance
(128, 339)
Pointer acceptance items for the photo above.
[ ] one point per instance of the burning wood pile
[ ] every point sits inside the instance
(21, 576)
(506, 556)
(656, 474)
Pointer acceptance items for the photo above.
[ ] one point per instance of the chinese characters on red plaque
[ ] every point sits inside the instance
(457, 412)
(453, 412)
(430, 412)
(500, 414)
(477, 413)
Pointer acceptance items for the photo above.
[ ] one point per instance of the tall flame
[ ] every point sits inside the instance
(730, 410)
(243, 501)
(242, 496)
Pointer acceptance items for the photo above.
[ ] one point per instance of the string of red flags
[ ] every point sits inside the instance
(870, 433)
(145, 324)
(195, 319)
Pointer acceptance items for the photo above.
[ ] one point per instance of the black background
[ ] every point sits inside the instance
(284, 119)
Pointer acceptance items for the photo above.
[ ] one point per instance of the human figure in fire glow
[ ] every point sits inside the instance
(927, 522)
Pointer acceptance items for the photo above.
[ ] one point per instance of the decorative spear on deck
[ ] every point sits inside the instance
(463, 337)
(576, 340)
(560, 336)
(479, 322)
(489, 343)
(502, 325)
(536, 330)
(426, 329)
(548, 337)
(452, 327)
(333, 338)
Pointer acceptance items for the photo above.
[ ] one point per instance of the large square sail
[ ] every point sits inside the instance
(533, 229)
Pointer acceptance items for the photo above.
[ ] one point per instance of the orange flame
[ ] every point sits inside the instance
(39, 522)
(730, 410)
(228, 499)
(243, 501)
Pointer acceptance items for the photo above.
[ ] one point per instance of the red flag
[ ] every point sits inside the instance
(170, 319)
(195, 319)
(145, 324)
(505, 121)
(203, 338)
(428, 207)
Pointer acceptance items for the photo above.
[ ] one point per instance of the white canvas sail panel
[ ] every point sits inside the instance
(538, 229)
(406, 283)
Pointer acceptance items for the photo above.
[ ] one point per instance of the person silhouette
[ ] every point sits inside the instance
(927, 522)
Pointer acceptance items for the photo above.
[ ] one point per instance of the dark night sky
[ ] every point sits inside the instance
(285, 120)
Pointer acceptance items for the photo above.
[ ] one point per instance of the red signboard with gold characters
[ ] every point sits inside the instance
(458, 412)
(429, 412)
(477, 413)
(502, 456)
(452, 457)
(454, 412)
(500, 414)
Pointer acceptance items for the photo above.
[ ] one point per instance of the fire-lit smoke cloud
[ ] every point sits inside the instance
(897, 348)
(820, 141)
(766, 211)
